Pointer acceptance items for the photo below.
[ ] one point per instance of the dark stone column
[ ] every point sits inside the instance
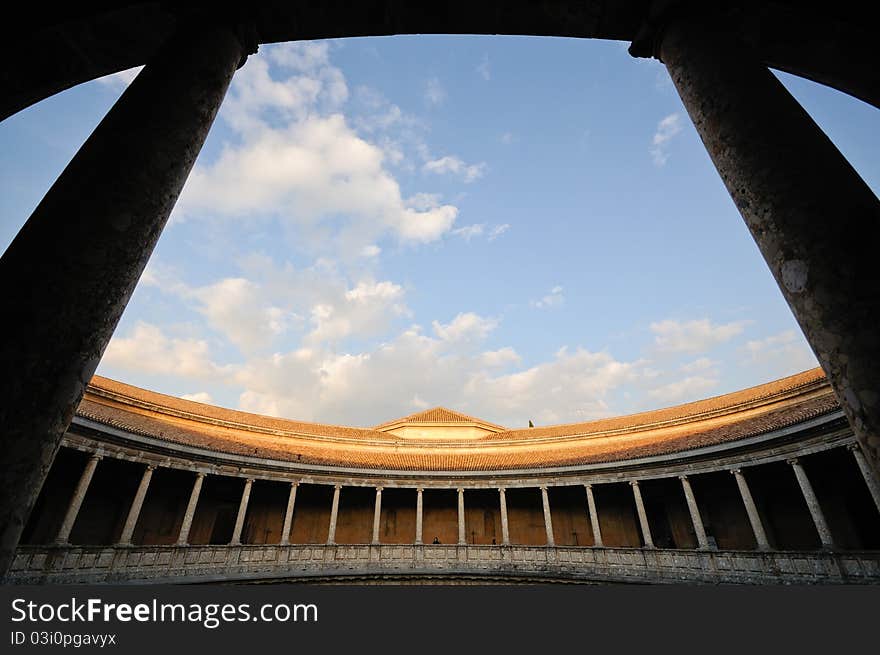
(815, 221)
(70, 271)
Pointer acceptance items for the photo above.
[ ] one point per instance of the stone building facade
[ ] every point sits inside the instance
(765, 485)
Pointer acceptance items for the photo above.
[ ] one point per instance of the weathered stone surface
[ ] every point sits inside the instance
(70, 271)
(814, 219)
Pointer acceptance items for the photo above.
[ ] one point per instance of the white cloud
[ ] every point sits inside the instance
(465, 327)
(363, 310)
(148, 350)
(199, 397)
(499, 358)
(690, 388)
(314, 169)
(300, 162)
(498, 230)
(693, 336)
(701, 364)
(435, 94)
(552, 299)
(270, 305)
(355, 389)
(452, 164)
(667, 128)
(780, 354)
(468, 232)
(507, 138)
(483, 69)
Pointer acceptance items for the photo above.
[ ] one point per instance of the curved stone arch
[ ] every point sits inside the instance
(48, 54)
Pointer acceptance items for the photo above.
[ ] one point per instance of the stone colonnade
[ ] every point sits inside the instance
(591, 509)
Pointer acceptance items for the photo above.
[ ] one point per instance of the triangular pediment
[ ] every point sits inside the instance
(439, 423)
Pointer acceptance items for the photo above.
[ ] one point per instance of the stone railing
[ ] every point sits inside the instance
(96, 564)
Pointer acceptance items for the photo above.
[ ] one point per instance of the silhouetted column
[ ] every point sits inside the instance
(694, 509)
(643, 516)
(183, 537)
(76, 500)
(136, 504)
(548, 519)
(594, 516)
(461, 536)
(377, 515)
(288, 514)
(867, 473)
(242, 512)
(751, 510)
(70, 271)
(505, 528)
(334, 513)
(419, 511)
(814, 219)
(812, 503)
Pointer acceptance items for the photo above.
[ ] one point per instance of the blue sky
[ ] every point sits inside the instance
(519, 228)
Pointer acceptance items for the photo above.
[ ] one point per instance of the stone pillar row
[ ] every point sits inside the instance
(812, 503)
(754, 517)
(643, 516)
(694, 509)
(751, 510)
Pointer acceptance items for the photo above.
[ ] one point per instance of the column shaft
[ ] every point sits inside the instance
(135, 509)
(505, 527)
(76, 500)
(788, 180)
(751, 510)
(694, 510)
(242, 512)
(183, 537)
(377, 515)
(594, 516)
(643, 516)
(812, 504)
(548, 519)
(461, 535)
(334, 513)
(419, 510)
(867, 473)
(71, 269)
(288, 514)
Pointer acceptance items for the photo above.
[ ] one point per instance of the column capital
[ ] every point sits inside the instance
(793, 461)
(337, 486)
(97, 456)
(152, 467)
(853, 447)
(200, 474)
(736, 471)
(460, 490)
(683, 478)
(379, 489)
(502, 490)
(419, 489)
(634, 483)
(294, 483)
(588, 485)
(249, 480)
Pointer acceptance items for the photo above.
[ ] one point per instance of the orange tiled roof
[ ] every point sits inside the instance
(707, 422)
